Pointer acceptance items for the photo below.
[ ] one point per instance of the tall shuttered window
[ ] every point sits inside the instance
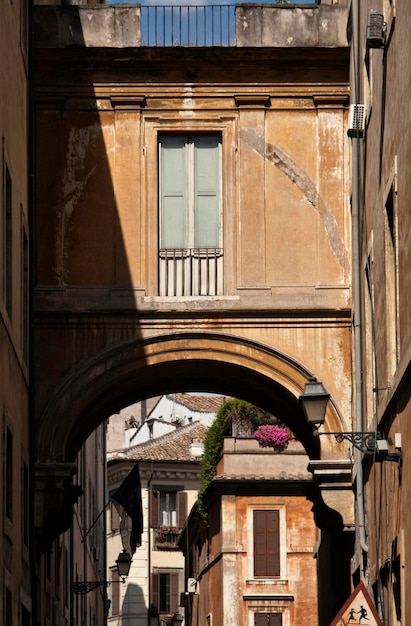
(7, 238)
(25, 293)
(165, 592)
(8, 474)
(190, 246)
(391, 284)
(8, 607)
(266, 543)
(168, 507)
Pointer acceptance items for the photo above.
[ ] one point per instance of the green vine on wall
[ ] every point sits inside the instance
(220, 428)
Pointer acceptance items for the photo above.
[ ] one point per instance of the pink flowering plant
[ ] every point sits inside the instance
(272, 436)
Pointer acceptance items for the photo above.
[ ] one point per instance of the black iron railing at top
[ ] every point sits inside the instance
(193, 25)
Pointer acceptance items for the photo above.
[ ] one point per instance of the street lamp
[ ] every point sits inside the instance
(314, 401)
(177, 619)
(123, 563)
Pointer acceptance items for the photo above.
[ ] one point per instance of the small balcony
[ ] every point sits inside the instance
(166, 537)
(191, 272)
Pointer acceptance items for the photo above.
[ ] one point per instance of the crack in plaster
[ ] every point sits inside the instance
(275, 155)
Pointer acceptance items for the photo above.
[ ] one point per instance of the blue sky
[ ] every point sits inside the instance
(197, 2)
(190, 22)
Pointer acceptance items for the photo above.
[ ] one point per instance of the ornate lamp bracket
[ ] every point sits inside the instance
(365, 442)
(83, 587)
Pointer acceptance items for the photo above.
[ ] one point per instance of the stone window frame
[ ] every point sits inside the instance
(251, 578)
(151, 127)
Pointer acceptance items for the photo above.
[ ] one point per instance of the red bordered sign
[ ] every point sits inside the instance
(359, 610)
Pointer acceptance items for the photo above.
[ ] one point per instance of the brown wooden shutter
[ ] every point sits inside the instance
(268, 619)
(174, 595)
(181, 508)
(266, 543)
(154, 508)
(155, 593)
(115, 593)
(114, 517)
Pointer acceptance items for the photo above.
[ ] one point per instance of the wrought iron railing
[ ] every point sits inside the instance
(166, 538)
(194, 25)
(191, 272)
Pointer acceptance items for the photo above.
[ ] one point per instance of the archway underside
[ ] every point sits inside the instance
(137, 370)
(187, 362)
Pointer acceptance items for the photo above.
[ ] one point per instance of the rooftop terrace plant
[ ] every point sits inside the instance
(222, 427)
(272, 436)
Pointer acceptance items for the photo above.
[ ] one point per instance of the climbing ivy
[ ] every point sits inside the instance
(220, 428)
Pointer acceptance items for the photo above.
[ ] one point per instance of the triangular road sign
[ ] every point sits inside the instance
(359, 610)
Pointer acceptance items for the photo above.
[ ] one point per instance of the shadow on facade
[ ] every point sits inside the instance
(133, 604)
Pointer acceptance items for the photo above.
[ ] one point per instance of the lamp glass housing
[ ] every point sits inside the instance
(123, 564)
(314, 401)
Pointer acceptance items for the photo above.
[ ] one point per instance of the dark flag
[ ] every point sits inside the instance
(127, 500)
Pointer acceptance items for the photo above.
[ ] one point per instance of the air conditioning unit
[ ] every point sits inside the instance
(356, 120)
(376, 27)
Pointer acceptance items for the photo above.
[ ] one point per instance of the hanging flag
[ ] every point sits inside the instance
(127, 500)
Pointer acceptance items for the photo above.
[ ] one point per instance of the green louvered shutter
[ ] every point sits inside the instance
(173, 179)
(206, 191)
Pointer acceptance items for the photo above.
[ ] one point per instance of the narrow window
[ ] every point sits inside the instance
(25, 616)
(391, 291)
(66, 580)
(168, 511)
(7, 238)
(8, 475)
(370, 372)
(114, 518)
(168, 507)
(24, 293)
(190, 262)
(165, 599)
(115, 593)
(24, 30)
(266, 544)
(25, 505)
(8, 607)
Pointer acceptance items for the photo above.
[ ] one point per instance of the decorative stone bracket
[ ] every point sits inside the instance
(55, 495)
(334, 480)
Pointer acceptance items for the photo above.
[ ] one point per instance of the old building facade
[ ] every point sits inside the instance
(169, 469)
(193, 231)
(381, 183)
(167, 197)
(15, 570)
(252, 561)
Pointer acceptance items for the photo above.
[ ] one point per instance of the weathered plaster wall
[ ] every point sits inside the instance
(286, 226)
(15, 578)
(228, 589)
(385, 152)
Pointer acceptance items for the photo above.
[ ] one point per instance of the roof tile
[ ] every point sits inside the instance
(170, 447)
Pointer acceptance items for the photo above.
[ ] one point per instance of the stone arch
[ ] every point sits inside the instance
(139, 369)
